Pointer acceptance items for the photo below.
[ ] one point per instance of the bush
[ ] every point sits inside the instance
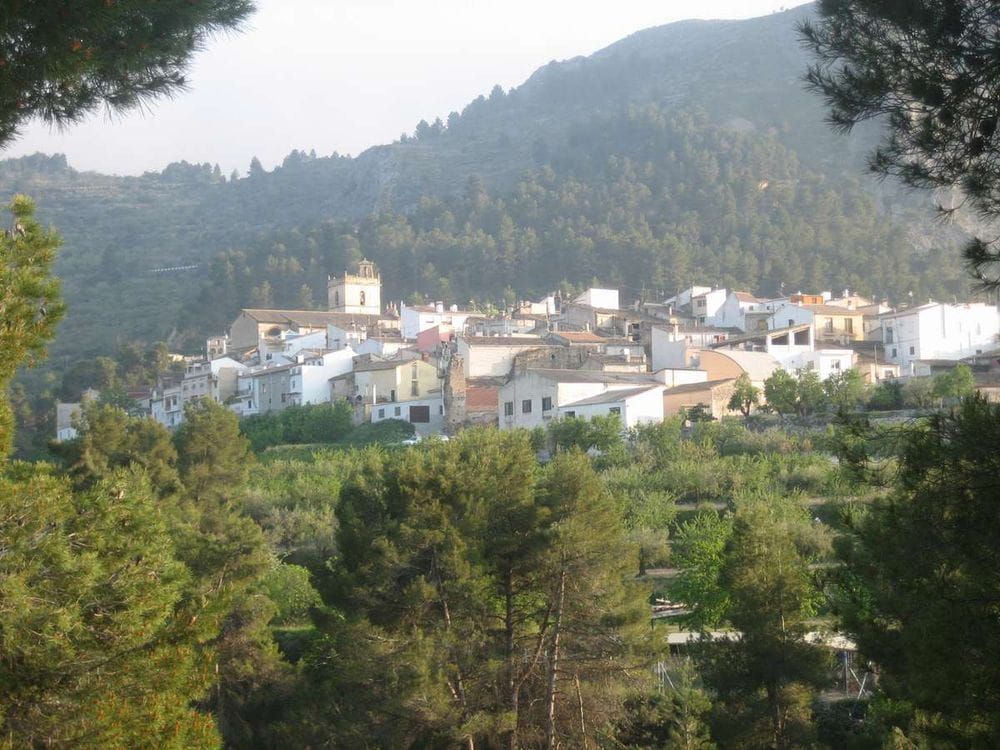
(289, 587)
(886, 396)
(386, 432)
(296, 425)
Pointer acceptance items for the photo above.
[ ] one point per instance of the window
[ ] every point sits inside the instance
(849, 325)
(414, 388)
(570, 414)
(526, 406)
(911, 351)
(283, 397)
(894, 354)
(508, 408)
(888, 337)
(420, 414)
(392, 395)
(440, 408)
(790, 322)
(381, 413)
(546, 403)
(336, 299)
(829, 325)
(615, 410)
(361, 296)
(397, 411)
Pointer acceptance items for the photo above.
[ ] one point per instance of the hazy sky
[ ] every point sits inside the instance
(343, 75)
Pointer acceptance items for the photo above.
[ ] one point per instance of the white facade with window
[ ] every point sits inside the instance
(633, 406)
(939, 331)
(534, 397)
(824, 362)
(425, 414)
(413, 320)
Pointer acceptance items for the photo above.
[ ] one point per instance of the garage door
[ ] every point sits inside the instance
(420, 414)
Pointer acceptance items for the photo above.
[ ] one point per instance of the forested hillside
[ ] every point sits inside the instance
(688, 151)
(644, 200)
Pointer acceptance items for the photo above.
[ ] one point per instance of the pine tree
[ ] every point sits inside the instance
(63, 61)
(95, 653)
(31, 306)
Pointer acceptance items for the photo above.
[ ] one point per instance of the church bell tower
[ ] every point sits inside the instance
(359, 292)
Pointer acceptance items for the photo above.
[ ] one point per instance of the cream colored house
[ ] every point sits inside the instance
(833, 323)
(387, 382)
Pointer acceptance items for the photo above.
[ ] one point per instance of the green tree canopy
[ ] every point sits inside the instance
(927, 69)
(63, 60)
(920, 583)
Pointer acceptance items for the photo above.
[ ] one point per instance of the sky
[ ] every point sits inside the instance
(344, 75)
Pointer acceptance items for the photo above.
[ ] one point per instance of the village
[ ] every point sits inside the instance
(442, 368)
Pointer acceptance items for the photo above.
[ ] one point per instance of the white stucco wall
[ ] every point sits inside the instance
(939, 331)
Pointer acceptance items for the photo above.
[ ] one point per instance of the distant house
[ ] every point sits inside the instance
(385, 346)
(606, 298)
(425, 414)
(68, 413)
(268, 389)
(671, 342)
(416, 318)
(493, 356)
(533, 397)
(372, 383)
(634, 406)
(835, 324)
(706, 305)
(270, 330)
(939, 331)
(714, 395)
(742, 310)
(431, 339)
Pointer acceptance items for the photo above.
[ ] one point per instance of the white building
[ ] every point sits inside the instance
(742, 310)
(383, 347)
(492, 356)
(670, 342)
(706, 305)
(824, 362)
(785, 314)
(166, 406)
(682, 300)
(634, 406)
(601, 298)
(939, 331)
(533, 397)
(267, 389)
(413, 320)
(342, 335)
(425, 414)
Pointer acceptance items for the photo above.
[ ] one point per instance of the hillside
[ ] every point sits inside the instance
(739, 79)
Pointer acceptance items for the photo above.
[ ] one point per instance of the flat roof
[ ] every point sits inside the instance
(611, 397)
(695, 387)
(591, 376)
